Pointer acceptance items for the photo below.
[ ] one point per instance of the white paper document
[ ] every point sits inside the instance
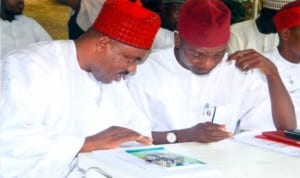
(148, 162)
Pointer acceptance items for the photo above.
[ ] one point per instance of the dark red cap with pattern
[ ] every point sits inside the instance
(128, 22)
(204, 23)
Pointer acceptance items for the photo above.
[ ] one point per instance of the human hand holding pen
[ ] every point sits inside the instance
(209, 132)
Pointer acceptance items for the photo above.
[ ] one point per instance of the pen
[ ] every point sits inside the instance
(238, 123)
(213, 115)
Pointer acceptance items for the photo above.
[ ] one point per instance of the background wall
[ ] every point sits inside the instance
(51, 14)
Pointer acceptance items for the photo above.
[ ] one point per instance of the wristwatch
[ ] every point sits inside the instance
(171, 137)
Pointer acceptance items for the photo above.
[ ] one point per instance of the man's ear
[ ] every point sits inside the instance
(177, 40)
(103, 43)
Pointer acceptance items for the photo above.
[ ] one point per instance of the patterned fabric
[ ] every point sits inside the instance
(276, 4)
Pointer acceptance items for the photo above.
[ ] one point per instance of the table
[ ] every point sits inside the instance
(237, 160)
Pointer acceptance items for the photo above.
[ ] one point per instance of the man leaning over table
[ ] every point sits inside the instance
(196, 92)
(287, 58)
(62, 98)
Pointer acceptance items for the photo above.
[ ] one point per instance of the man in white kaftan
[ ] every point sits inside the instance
(186, 99)
(289, 73)
(286, 57)
(59, 98)
(50, 109)
(196, 92)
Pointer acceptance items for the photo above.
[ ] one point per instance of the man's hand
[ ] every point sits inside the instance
(208, 132)
(113, 137)
(250, 59)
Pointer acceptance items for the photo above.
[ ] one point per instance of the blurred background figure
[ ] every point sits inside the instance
(18, 30)
(241, 10)
(153, 5)
(169, 11)
(258, 34)
(73, 28)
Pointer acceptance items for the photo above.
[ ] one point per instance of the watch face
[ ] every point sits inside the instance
(171, 137)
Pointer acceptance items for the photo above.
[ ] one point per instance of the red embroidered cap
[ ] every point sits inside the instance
(288, 16)
(128, 22)
(204, 23)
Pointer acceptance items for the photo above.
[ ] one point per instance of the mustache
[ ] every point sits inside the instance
(124, 73)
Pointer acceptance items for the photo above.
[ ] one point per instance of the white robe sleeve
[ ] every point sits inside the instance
(140, 96)
(235, 43)
(31, 143)
(89, 10)
(118, 105)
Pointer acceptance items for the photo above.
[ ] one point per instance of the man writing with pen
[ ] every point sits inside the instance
(200, 93)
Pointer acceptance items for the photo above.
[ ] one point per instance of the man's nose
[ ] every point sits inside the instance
(209, 63)
(132, 68)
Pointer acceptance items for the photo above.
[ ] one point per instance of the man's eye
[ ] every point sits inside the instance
(199, 55)
(196, 54)
(219, 55)
(131, 61)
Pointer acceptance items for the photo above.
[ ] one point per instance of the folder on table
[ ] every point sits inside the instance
(278, 136)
